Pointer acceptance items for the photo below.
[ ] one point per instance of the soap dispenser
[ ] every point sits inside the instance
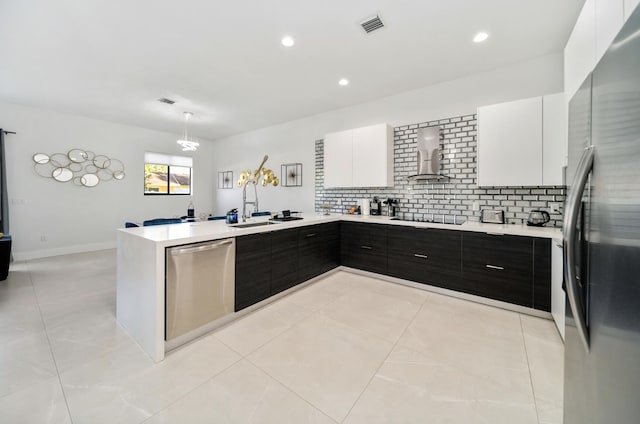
(191, 213)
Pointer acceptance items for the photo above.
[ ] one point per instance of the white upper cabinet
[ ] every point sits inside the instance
(597, 25)
(580, 52)
(362, 157)
(338, 159)
(554, 139)
(373, 156)
(510, 143)
(522, 143)
(609, 20)
(629, 7)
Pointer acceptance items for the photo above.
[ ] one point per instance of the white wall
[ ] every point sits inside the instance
(76, 219)
(294, 141)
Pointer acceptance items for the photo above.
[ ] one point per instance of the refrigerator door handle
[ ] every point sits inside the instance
(569, 231)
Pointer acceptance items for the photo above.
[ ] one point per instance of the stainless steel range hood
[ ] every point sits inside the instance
(428, 155)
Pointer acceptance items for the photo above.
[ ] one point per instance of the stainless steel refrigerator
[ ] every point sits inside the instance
(602, 240)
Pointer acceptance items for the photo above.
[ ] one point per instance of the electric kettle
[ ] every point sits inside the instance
(538, 218)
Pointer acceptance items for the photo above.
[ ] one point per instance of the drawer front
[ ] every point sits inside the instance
(499, 267)
(364, 246)
(431, 256)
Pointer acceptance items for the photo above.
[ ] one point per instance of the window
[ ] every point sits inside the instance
(167, 174)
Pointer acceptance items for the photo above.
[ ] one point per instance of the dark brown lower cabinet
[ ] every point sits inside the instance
(426, 255)
(499, 266)
(284, 260)
(269, 263)
(542, 274)
(512, 269)
(253, 269)
(364, 246)
(319, 249)
(329, 247)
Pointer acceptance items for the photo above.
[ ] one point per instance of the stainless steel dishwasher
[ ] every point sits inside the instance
(200, 288)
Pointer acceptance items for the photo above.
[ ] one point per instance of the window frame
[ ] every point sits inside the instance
(168, 187)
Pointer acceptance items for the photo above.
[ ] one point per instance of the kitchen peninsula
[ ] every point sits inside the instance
(442, 257)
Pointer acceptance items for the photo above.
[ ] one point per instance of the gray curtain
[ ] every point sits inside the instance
(4, 198)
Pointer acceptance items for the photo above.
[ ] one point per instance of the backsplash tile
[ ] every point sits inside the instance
(440, 200)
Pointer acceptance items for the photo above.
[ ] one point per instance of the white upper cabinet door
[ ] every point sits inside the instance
(580, 51)
(338, 159)
(510, 143)
(629, 7)
(373, 156)
(554, 138)
(609, 20)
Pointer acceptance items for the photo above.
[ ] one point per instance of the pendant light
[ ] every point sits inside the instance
(186, 143)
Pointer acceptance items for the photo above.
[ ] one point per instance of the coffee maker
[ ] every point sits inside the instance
(376, 206)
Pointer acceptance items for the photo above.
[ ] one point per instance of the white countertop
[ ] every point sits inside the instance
(194, 232)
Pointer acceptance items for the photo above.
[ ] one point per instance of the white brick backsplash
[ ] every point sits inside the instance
(422, 200)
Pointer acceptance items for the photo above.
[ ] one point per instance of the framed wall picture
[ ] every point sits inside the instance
(225, 179)
(291, 175)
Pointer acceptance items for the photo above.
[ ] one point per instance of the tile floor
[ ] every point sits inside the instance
(347, 349)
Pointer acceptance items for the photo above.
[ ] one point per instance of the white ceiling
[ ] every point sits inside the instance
(222, 60)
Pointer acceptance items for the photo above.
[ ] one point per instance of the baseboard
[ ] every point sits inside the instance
(45, 253)
(452, 293)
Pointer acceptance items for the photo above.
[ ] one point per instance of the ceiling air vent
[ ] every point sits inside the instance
(167, 101)
(372, 24)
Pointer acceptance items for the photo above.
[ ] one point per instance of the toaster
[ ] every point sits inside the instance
(492, 216)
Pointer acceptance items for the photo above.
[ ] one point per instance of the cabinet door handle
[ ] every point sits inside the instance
(311, 235)
(418, 255)
(366, 247)
(495, 267)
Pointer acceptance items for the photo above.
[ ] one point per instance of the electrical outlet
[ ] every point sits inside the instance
(476, 205)
(556, 208)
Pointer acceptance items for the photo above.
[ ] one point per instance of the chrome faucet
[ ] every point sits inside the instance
(245, 203)
(249, 177)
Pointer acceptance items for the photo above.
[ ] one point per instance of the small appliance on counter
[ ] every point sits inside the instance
(232, 216)
(376, 206)
(538, 218)
(392, 206)
(492, 216)
(286, 216)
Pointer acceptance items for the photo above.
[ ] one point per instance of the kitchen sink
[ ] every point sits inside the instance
(254, 224)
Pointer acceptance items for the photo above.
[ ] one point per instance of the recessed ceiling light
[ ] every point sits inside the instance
(343, 82)
(288, 42)
(480, 37)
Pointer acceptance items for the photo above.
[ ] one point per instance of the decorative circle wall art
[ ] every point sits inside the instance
(82, 167)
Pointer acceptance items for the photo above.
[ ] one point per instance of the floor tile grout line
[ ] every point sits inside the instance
(213, 333)
(193, 389)
(385, 359)
(290, 389)
(46, 332)
(526, 352)
(313, 312)
(316, 312)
